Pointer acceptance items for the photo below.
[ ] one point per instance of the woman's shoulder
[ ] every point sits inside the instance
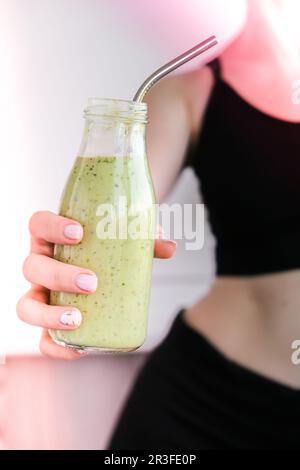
(197, 86)
(186, 90)
(197, 82)
(191, 85)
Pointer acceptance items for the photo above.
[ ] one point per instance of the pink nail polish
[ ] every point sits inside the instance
(71, 318)
(73, 232)
(87, 282)
(170, 243)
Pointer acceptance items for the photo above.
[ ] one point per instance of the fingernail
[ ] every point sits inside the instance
(73, 232)
(170, 243)
(71, 318)
(87, 282)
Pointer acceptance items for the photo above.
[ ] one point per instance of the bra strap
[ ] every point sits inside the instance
(216, 68)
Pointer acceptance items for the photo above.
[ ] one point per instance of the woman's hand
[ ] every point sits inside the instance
(45, 274)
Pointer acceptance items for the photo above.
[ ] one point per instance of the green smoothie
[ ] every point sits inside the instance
(115, 317)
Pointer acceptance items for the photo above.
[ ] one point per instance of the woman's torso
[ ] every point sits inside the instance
(254, 318)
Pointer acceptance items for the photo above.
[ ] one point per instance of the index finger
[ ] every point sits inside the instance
(47, 229)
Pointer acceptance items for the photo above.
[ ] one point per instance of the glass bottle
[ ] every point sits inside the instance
(110, 193)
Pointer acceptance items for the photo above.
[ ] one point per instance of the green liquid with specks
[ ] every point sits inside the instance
(115, 317)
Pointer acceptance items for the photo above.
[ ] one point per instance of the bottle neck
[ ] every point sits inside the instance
(107, 139)
(114, 128)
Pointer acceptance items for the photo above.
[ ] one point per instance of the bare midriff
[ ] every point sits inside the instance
(253, 321)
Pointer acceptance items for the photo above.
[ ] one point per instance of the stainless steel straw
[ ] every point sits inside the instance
(174, 64)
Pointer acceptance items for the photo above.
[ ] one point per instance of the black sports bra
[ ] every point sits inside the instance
(248, 164)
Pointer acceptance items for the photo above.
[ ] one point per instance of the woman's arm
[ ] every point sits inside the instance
(176, 108)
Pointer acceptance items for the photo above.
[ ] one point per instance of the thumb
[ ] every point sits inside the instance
(163, 249)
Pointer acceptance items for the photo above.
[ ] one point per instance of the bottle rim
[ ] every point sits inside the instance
(116, 109)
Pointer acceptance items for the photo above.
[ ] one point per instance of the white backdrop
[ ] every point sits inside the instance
(54, 54)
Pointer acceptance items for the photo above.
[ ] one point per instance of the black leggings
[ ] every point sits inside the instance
(190, 397)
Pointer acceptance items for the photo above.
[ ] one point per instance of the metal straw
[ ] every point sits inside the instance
(174, 64)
